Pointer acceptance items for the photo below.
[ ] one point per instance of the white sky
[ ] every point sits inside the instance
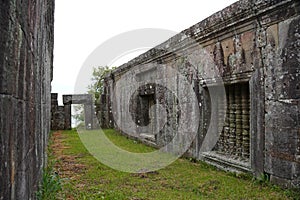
(81, 26)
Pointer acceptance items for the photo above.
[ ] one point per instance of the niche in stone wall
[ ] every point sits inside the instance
(146, 114)
(141, 109)
(148, 119)
(234, 138)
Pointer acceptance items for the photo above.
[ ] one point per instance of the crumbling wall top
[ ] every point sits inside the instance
(212, 27)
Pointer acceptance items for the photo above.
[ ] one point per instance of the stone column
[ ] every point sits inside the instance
(67, 100)
(68, 122)
(88, 116)
(54, 108)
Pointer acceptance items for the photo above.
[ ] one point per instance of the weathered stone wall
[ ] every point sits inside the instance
(104, 111)
(255, 47)
(57, 114)
(281, 60)
(26, 46)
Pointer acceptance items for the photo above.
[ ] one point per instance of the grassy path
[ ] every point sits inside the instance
(86, 178)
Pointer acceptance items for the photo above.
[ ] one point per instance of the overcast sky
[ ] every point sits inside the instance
(81, 26)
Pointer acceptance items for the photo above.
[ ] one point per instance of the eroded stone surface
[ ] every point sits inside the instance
(252, 43)
(26, 46)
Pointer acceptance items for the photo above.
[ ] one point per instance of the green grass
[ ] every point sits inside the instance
(181, 180)
(51, 183)
(127, 144)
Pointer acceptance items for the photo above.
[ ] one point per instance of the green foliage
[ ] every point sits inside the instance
(98, 78)
(263, 179)
(51, 185)
(293, 193)
(98, 84)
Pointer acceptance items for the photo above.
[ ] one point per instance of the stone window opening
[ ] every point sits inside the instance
(146, 114)
(234, 138)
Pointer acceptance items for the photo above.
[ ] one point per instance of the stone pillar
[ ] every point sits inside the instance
(67, 100)
(68, 122)
(106, 115)
(88, 116)
(54, 108)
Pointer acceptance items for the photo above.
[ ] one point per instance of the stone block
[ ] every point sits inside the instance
(25, 76)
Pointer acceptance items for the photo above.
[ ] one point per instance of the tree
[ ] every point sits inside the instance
(96, 88)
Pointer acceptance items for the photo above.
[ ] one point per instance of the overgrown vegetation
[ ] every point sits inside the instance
(51, 183)
(263, 179)
(89, 179)
(98, 76)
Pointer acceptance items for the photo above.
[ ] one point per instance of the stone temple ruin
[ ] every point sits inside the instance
(255, 47)
(61, 115)
(254, 44)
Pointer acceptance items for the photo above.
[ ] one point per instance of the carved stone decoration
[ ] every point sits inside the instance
(261, 37)
(239, 51)
(234, 138)
(236, 59)
(238, 120)
(221, 113)
(219, 58)
(232, 124)
(245, 101)
(226, 125)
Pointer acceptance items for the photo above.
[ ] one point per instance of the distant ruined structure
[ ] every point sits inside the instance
(26, 57)
(255, 47)
(61, 115)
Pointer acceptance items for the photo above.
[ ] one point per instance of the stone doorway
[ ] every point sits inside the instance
(148, 116)
(61, 115)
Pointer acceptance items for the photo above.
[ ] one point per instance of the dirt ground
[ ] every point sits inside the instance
(67, 167)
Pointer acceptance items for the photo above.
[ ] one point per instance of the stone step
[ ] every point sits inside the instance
(148, 139)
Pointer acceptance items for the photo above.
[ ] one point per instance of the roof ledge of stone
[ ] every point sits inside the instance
(232, 15)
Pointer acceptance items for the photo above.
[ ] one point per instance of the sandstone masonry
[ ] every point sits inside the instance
(26, 46)
(255, 45)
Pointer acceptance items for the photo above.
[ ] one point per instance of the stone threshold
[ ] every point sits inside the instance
(226, 163)
(148, 139)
